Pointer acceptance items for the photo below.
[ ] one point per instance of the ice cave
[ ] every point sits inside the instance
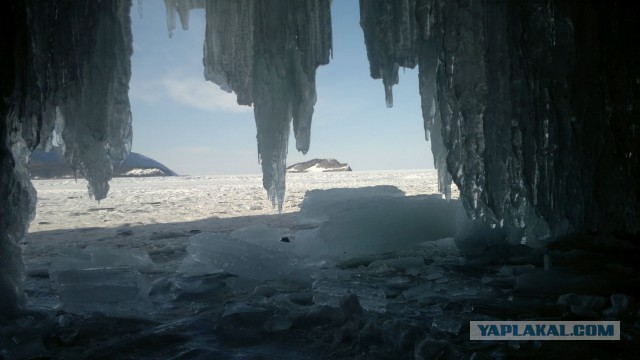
(531, 109)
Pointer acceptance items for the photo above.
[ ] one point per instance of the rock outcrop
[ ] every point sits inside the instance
(319, 165)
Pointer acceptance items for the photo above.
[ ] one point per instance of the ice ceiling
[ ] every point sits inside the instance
(532, 107)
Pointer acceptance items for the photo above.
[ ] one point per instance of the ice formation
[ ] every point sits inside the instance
(243, 255)
(373, 220)
(508, 101)
(65, 66)
(267, 53)
(103, 280)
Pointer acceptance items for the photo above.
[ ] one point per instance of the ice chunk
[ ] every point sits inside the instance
(620, 305)
(401, 263)
(385, 224)
(261, 235)
(319, 203)
(307, 244)
(243, 323)
(100, 257)
(374, 220)
(303, 248)
(330, 292)
(112, 291)
(447, 322)
(420, 292)
(104, 280)
(214, 253)
(365, 221)
(583, 305)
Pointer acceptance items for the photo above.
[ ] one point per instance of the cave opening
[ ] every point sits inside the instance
(532, 112)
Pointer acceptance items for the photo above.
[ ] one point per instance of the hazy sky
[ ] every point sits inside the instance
(195, 128)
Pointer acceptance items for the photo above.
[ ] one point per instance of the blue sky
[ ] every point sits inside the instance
(195, 128)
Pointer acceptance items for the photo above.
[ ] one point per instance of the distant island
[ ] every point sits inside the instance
(52, 165)
(319, 165)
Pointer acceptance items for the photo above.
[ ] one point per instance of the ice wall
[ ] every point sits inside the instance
(532, 106)
(65, 66)
(267, 52)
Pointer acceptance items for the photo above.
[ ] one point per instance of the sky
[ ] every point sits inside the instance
(194, 128)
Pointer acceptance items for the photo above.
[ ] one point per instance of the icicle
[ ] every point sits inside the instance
(390, 34)
(268, 53)
(171, 16)
(183, 9)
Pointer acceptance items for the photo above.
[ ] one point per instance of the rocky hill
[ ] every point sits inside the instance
(52, 165)
(319, 165)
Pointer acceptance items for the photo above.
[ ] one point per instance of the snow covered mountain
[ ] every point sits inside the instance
(319, 165)
(52, 164)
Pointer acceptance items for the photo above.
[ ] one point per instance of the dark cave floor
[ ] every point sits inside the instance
(374, 307)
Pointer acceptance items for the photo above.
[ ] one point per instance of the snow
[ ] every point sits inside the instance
(64, 204)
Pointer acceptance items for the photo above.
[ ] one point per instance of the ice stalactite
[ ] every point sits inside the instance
(491, 121)
(182, 8)
(81, 55)
(400, 34)
(390, 34)
(268, 53)
(508, 95)
(65, 65)
(427, 64)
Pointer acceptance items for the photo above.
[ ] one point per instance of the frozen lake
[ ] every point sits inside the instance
(158, 214)
(64, 204)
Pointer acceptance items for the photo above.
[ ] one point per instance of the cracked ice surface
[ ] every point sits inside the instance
(267, 53)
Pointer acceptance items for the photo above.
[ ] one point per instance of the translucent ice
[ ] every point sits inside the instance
(87, 83)
(215, 253)
(102, 280)
(100, 257)
(318, 204)
(117, 291)
(381, 224)
(66, 66)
